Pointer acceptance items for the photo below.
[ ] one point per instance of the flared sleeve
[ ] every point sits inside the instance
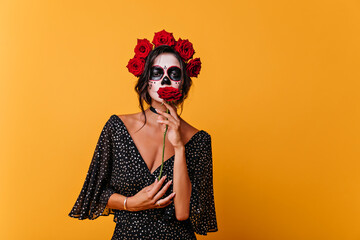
(96, 191)
(202, 206)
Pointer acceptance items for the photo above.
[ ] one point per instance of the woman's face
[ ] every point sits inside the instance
(165, 72)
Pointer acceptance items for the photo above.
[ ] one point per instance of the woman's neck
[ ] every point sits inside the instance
(158, 105)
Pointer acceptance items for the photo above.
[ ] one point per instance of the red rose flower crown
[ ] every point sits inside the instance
(182, 46)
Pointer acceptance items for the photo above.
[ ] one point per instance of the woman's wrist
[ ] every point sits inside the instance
(129, 204)
(179, 148)
(125, 200)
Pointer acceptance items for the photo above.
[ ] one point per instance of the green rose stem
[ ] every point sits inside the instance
(162, 162)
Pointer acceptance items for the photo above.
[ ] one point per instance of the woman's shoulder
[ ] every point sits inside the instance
(122, 120)
(129, 118)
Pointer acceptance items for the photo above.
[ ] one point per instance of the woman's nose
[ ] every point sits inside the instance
(166, 81)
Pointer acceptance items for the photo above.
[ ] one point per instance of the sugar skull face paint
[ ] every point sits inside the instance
(165, 72)
(173, 72)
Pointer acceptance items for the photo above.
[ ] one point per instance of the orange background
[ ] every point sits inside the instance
(278, 92)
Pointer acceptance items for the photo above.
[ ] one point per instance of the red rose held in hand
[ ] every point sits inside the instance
(143, 48)
(136, 66)
(193, 67)
(163, 38)
(185, 49)
(169, 94)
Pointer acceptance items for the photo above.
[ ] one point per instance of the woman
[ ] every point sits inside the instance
(123, 176)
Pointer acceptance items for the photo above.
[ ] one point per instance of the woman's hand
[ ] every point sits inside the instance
(173, 123)
(149, 197)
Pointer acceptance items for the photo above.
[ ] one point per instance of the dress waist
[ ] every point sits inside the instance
(156, 223)
(123, 216)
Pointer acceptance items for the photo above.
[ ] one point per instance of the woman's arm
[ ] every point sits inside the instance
(146, 198)
(116, 201)
(181, 185)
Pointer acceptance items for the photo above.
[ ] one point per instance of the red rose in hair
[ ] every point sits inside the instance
(169, 94)
(136, 66)
(143, 48)
(193, 67)
(163, 38)
(185, 49)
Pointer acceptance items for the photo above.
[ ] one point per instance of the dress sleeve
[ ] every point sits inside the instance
(202, 206)
(96, 191)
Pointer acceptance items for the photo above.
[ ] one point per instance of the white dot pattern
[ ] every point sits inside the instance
(117, 167)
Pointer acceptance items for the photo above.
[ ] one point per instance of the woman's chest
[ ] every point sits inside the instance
(129, 172)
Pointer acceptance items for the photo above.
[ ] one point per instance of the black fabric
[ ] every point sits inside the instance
(117, 167)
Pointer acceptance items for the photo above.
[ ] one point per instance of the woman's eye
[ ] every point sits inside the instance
(174, 75)
(156, 73)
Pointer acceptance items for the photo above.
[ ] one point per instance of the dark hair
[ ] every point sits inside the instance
(141, 87)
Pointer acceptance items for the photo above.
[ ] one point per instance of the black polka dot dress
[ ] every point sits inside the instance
(117, 167)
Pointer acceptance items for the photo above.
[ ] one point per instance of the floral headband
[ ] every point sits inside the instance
(183, 47)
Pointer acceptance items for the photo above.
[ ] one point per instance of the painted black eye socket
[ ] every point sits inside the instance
(156, 73)
(174, 73)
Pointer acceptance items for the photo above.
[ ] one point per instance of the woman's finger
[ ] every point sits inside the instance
(167, 115)
(165, 201)
(164, 114)
(173, 112)
(149, 187)
(164, 118)
(167, 122)
(167, 204)
(156, 187)
(161, 117)
(162, 191)
(163, 205)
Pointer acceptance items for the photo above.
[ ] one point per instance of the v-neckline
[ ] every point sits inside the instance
(138, 152)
